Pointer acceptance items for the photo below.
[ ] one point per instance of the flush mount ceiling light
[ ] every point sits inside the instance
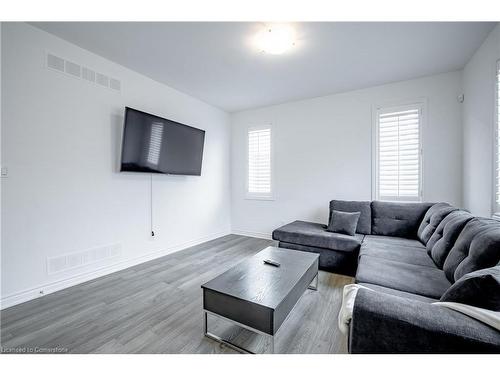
(275, 39)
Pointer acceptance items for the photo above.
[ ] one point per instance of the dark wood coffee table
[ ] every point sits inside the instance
(257, 296)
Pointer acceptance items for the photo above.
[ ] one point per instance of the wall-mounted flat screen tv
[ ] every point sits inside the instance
(156, 145)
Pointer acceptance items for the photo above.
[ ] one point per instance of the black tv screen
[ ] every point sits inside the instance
(156, 145)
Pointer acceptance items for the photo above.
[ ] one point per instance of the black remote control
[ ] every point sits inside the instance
(272, 263)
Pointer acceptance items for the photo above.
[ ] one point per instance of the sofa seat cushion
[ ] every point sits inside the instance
(422, 280)
(397, 219)
(398, 241)
(477, 247)
(363, 207)
(432, 219)
(398, 293)
(404, 254)
(314, 234)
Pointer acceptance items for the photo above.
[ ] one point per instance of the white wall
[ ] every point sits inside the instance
(0, 153)
(61, 144)
(478, 123)
(323, 151)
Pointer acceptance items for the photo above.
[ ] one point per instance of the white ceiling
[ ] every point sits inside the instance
(217, 63)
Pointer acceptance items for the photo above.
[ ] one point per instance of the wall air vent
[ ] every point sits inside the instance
(102, 79)
(82, 258)
(88, 74)
(82, 72)
(114, 84)
(72, 68)
(55, 62)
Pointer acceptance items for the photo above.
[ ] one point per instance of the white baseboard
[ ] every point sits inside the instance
(266, 236)
(41, 290)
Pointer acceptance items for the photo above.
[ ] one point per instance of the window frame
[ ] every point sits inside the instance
(260, 196)
(421, 105)
(496, 140)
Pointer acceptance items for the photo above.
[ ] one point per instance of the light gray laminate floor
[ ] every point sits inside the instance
(155, 307)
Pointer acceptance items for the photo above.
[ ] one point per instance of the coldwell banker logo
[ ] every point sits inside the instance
(32, 350)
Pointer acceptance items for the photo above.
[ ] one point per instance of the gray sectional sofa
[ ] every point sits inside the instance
(409, 255)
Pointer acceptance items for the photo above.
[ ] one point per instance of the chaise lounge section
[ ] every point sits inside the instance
(408, 256)
(338, 252)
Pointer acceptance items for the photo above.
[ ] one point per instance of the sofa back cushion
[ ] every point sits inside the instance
(477, 247)
(397, 219)
(432, 219)
(363, 207)
(479, 288)
(445, 235)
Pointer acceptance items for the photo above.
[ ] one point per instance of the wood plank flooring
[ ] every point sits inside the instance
(155, 307)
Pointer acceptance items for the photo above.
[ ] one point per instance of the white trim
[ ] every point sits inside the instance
(421, 104)
(258, 196)
(41, 290)
(495, 207)
(266, 236)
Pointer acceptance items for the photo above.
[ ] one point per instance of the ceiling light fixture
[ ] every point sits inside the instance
(276, 39)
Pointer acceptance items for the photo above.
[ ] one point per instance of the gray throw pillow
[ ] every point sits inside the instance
(343, 222)
(479, 288)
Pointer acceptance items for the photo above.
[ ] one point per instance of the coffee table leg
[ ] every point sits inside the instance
(228, 343)
(205, 323)
(314, 283)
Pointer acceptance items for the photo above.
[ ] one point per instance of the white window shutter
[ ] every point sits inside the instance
(398, 154)
(259, 162)
(497, 143)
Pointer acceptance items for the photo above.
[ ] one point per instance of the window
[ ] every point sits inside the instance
(259, 183)
(497, 144)
(398, 153)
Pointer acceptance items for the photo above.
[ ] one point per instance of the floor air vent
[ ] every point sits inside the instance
(82, 258)
(82, 72)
